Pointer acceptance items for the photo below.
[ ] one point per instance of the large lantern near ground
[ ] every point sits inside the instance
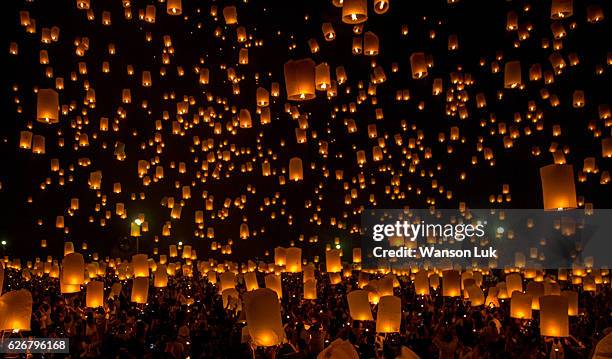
(310, 289)
(94, 296)
(263, 317)
(273, 282)
(140, 290)
(389, 316)
(451, 283)
(554, 321)
(73, 271)
(294, 260)
(558, 187)
(520, 306)
(359, 305)
(140, 265)
(16, 310)
(332, 261)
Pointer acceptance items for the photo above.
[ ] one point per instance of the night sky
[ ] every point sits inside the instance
(279, 31)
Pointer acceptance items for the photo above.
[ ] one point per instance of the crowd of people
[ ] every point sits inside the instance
(187, 319)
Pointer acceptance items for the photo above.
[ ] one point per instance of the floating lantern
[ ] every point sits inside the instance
(16, 310)
(520, 305)
(263, 317)
(554, 321)
(140, 290)
(418, 65)
(94, 296)
(354, 11)
(359, 305)
(558, 188)
(332, 261)
(73, 269)
(300, 79)
(294, 260)
(388, 318)
(310, 289)
(47, 106)
(174, 7)
(451, 283)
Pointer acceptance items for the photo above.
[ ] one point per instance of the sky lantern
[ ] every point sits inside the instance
(228, 280)
(160, 276)
(94, 296)
(381, 6)
(280, 256)
(300, 79)
(476, 295)
(296, 171)
(250, 280)
(310, 289)
(16, 310)
(512, 75)
(47, 106)
(370, 44)
(140, 265)
(294, 260)
(230, 15)
(333, 263)
(174, 7)
(389, 315)
(273, 282)
(263, 317)
(322, 77)
(572, 302)
(451, 283)
(554, 320)
(140, 290)
(354, 11)
(418, 64)
(558, 188)
(561, 9)
(73, 269)
(514, 282)
(359, 305)
(520, 305)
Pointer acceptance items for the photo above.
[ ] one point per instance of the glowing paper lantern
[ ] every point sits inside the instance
(140, 290)
(332, 261)
(73, 269)
(554, 321)
(230, 15)
(512, 75)
(228, 280)
(280, 256)
(160, 277)
(47, 106)
(174, 7)
(294, 260)
(310, 289)
(140, 265)
(418, 65)
(561, 9)
(421, 283)
(520, 306)
(16, 310)
(359, 305)
(357, 255)
(94, 296)
(381, 6)
(476, 295)
(273, 282)
(514, 282)
(250, 280)
(300, 79)
(451, 283)
(572, 302)
(354, 11)
(263, 317)
(296, 171)
(388, 318)
(558, 188)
